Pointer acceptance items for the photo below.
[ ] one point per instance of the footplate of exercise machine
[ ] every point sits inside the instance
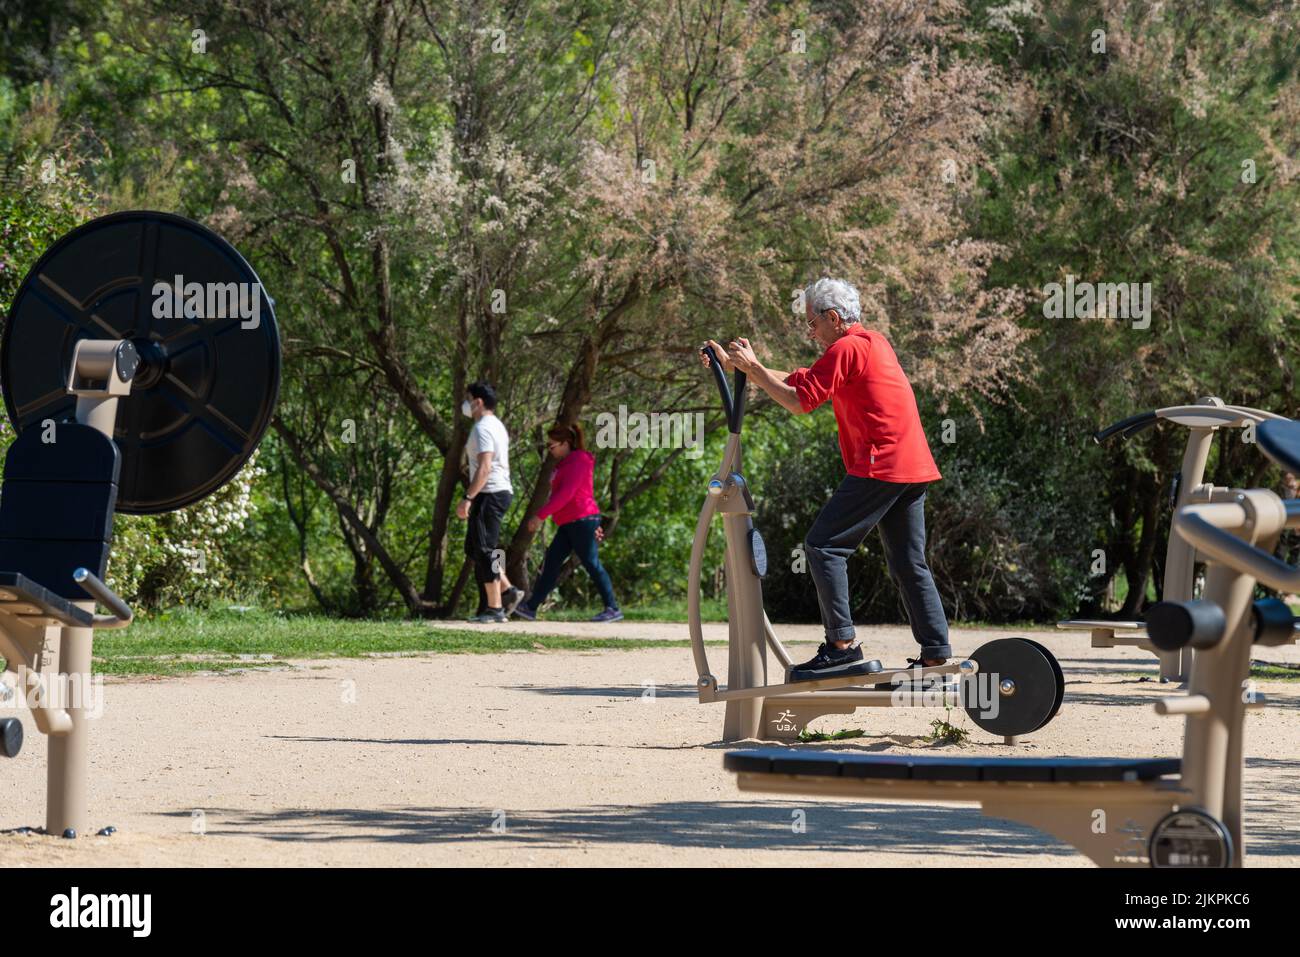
(904, 678)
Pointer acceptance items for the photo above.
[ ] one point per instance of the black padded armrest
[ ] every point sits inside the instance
(21, 596)
(908, 767)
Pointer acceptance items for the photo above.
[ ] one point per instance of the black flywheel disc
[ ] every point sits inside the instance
(205, 330)
(1020, 687)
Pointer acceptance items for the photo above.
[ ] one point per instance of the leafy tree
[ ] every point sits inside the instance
(1155, 145)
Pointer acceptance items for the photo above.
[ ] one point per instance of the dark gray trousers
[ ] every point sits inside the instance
(898, 511)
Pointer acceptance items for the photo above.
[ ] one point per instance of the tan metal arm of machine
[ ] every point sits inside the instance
(90, 583)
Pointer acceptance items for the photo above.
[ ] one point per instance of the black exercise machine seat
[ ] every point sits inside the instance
(56, 515)
(903, 767)
(1280, 440)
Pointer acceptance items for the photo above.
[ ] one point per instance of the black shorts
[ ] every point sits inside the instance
(485, 514)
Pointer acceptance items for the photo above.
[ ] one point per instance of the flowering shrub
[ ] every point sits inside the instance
(186, 557)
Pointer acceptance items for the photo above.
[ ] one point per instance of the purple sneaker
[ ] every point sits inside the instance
(523, 611)
(609, 614)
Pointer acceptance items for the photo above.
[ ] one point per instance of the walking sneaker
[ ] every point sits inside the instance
(523, 611)
(511, 599)
(609, 614)
(832, 662)
(490, 617)
(917, 683)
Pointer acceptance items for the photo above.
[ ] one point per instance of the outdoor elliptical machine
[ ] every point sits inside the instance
(1202, 420)
(1009, 687)
(140, 365)
(1122, 812)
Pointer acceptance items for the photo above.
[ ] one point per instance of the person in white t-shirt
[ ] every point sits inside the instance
(485, 503)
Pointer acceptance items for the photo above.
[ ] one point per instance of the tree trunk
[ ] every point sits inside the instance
(1139, 569)
(363, 572)
(449, 478)
(405, 587)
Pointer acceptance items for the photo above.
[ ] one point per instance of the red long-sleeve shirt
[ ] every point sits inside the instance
(572, 492)
(880, 430)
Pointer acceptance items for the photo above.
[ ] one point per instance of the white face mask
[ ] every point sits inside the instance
(466, 409)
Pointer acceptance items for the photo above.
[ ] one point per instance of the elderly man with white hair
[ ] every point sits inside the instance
(889, 468)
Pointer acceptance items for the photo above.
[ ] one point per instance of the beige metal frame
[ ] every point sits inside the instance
(41, 650)
(1111, 823)
(754, 708)
(1202, 420)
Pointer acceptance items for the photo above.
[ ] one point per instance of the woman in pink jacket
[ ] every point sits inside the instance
(572, 505)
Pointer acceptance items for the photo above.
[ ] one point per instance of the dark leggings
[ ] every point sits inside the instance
(580, 537)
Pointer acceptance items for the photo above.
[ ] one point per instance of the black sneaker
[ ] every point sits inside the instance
(510, 600)
(492, 616)
(916, 682)
(832, 662)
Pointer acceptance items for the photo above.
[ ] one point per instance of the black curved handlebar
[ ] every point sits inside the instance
(734, 407)
(738, 412)
(720, 378)
(1129, 427)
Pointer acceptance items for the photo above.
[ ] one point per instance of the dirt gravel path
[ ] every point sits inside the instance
(562, 758)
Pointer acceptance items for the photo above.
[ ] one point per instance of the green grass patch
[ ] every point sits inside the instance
(943, 731)
(1268, 671)
(806, 736)
(170, 667)
(711, 609)
(182, 642)
(1261, 670)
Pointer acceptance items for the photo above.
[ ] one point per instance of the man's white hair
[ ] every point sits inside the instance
(837, 294)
